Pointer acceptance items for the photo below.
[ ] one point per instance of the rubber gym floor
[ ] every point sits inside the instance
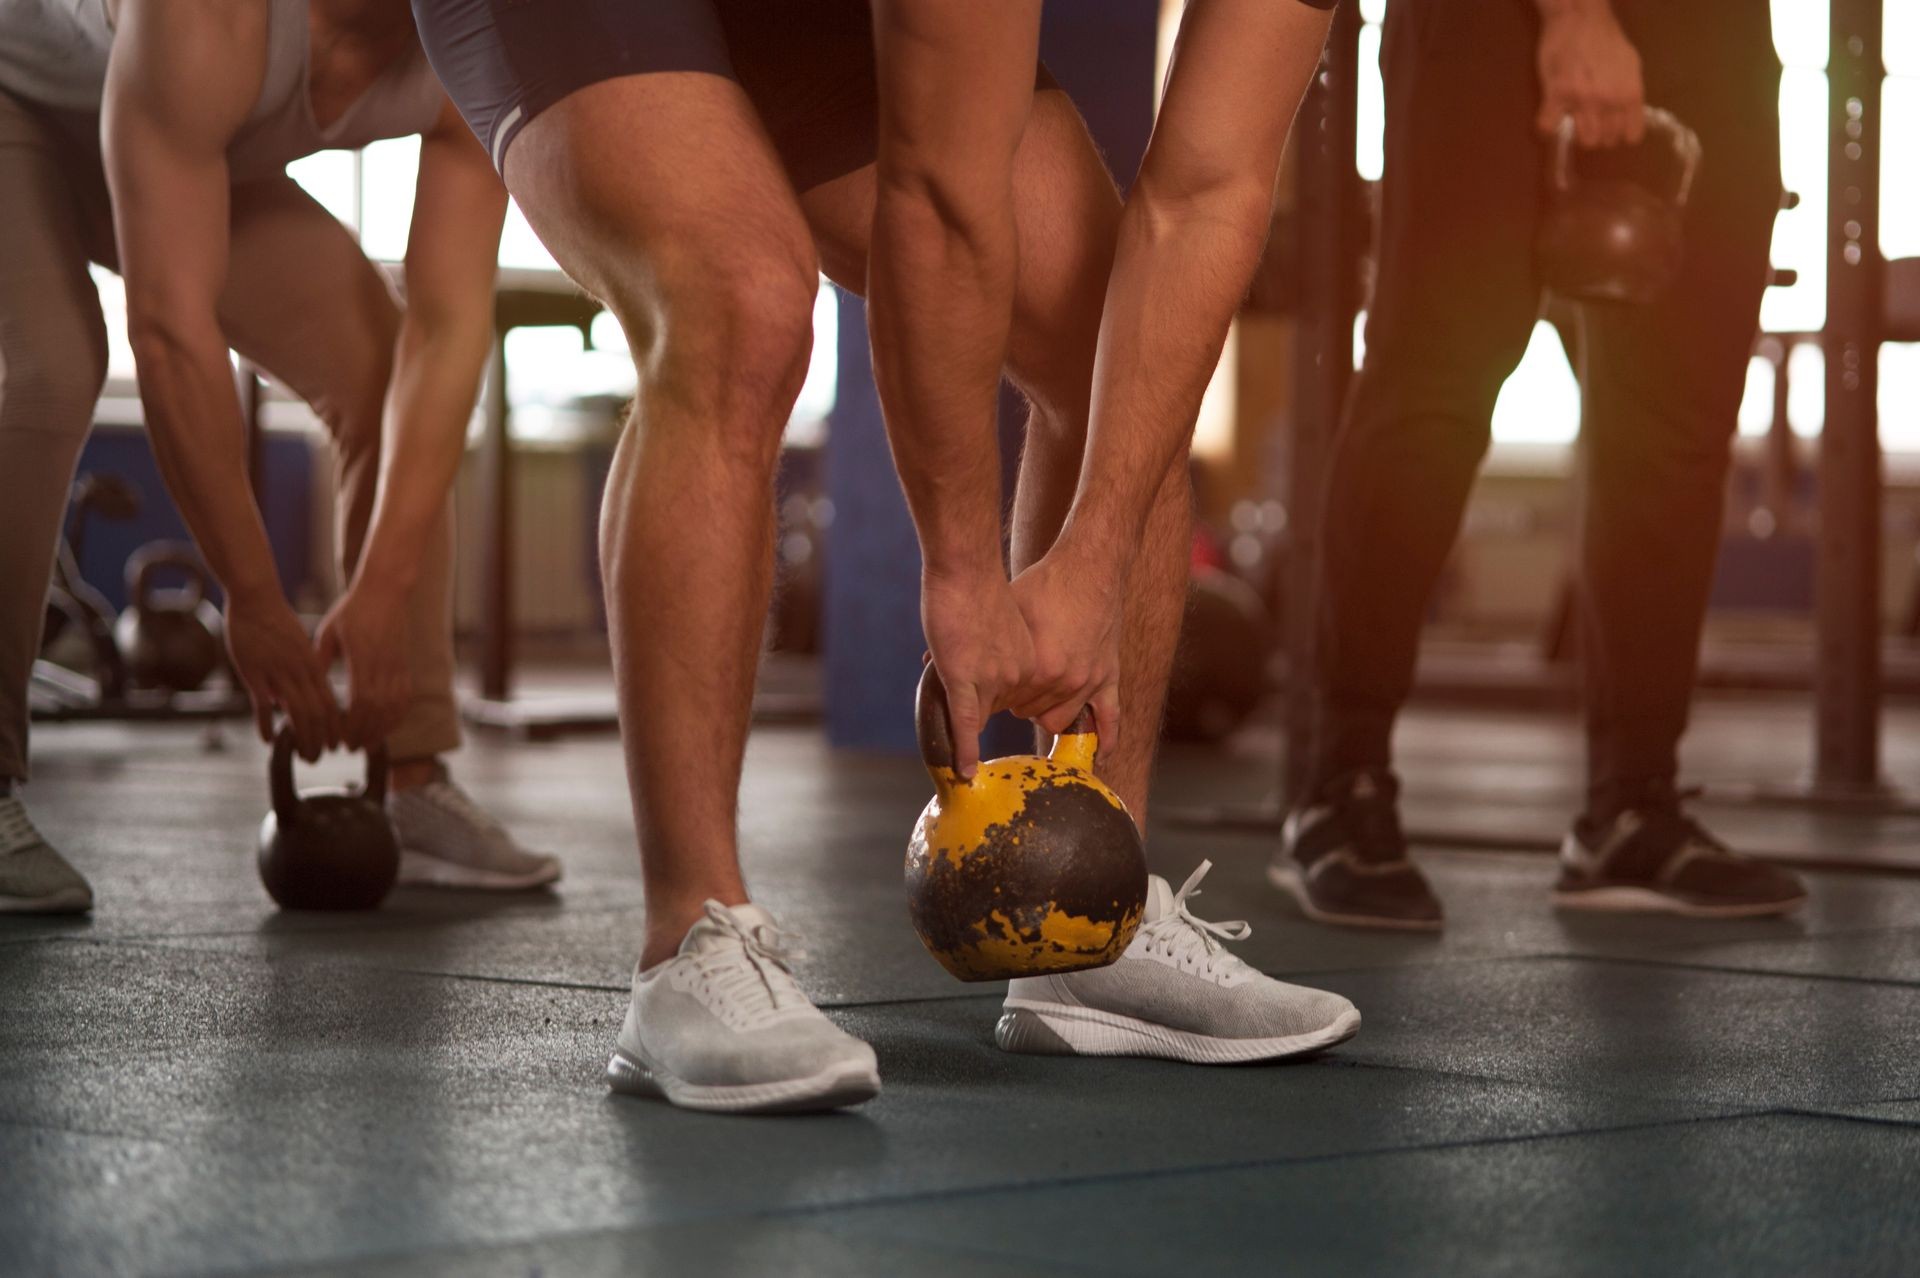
(192, 1083)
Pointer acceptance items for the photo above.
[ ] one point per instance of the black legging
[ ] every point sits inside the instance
(1454, 304)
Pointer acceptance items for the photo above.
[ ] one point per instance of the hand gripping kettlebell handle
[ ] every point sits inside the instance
(933, 724)
(286, 802)
(1683, 140)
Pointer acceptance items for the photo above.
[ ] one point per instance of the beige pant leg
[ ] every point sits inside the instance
(53, 359)
(304, 303)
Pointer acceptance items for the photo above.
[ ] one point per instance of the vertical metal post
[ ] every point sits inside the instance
(1330, 246)
(1847, 647)
(496, 611)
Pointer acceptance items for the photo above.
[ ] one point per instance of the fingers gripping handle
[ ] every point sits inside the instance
(1662, 125)
(933, 724)
(286, 801)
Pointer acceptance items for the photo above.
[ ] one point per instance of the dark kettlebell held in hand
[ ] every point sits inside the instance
(1033, 866)
(1612, 229)
(168, 638)
(329, 849)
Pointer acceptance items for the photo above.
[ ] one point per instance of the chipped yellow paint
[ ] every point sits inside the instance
(964, 811)
(1067, 942)
(957, 819)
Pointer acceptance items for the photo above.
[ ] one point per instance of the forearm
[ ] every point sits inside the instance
(955, 83)
(1180, 270)
(1189, 242)
(436, 376)
(941, 299)
(199, 438)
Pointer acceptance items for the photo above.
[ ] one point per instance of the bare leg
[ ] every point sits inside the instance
(1066, 211)
(661, 195)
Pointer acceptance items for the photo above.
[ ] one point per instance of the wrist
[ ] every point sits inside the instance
(1096, 560)
(254, 591)
(381, 583)
(962, 571)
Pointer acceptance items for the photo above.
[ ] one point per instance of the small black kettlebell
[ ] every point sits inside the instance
(1615, 233)
(327, 849)
(169, 639)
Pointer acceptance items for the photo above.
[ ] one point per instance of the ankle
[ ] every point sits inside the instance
(671, 917)
(1607, 802)
(1356, 782)
(411, 774)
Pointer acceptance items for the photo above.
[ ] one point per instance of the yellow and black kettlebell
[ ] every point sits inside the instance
(1032, 866)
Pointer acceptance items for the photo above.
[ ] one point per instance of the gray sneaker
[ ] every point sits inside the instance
(723, 1026)
(447, 840)
(1177, 994)
(35, 879)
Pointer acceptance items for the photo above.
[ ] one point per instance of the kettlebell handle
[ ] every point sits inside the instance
(151, 558)
(933, 724)
(1683, 141)
(286, 802)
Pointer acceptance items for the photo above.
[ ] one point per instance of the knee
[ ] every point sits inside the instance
(351, 407)
(727, 347)
(1443, 416)
(51, 378)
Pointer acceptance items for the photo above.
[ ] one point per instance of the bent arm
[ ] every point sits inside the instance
(1190, 240)
(180, 83)
(446, 332)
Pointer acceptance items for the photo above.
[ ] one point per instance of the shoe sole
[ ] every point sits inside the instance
(65, 901)
(1057, 1029)
(423, 869)
(835, 1088)
(1639, 900)
(1288, 880)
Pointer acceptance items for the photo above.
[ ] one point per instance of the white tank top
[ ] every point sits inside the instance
(54, 52)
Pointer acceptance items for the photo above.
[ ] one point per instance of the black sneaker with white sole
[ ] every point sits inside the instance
(1654, 859)
(1343, 858)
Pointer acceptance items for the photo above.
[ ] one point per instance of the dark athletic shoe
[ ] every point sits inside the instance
(1654, 859)
(1344, 860)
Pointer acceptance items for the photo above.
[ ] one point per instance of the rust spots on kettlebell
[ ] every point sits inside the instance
(1034, 866)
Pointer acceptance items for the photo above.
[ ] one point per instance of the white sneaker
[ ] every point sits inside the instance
(1176, 994)
(35, 879)
(447, 840)
(723, 1026)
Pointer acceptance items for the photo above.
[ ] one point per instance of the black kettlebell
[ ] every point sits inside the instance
(169, 638)
(1220, 666)
(1612, 230)
(328, 849)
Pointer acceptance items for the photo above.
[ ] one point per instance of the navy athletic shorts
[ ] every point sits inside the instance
(807, 67)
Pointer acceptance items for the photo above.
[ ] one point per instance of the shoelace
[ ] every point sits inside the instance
(764, 983)
(1180, 932)
(16, 831)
